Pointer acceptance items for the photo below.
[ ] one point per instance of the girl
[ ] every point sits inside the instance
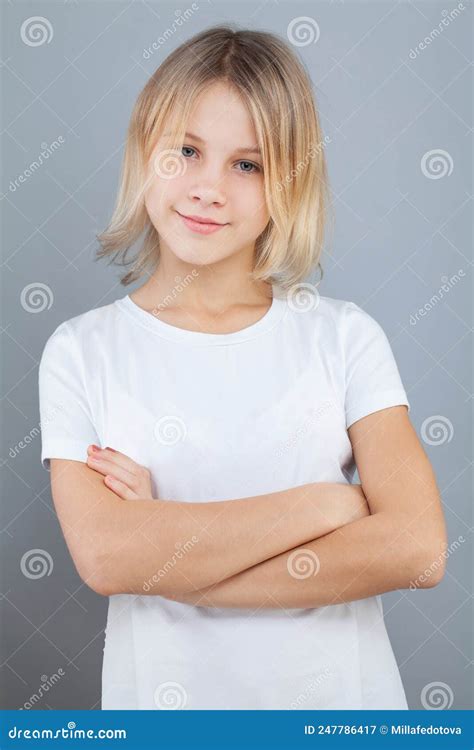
(233, 404)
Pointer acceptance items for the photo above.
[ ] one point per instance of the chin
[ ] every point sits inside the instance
(201, 259)
(200, 255)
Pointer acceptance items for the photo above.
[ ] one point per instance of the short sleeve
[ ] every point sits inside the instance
(372, 379)
(67, 426)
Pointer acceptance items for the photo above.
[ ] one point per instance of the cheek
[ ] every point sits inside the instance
(160, 196)
(253, 207)
(258, 210)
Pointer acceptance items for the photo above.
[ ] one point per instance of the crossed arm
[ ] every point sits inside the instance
(170, 548)
(398, 544)
(358, 560)
(356, 542)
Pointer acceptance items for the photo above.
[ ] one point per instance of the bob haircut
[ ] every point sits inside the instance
(277, 91)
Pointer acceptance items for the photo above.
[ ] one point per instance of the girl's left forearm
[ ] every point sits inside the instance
(373, 555)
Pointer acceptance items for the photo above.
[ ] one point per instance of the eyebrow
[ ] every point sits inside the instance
(246, 149)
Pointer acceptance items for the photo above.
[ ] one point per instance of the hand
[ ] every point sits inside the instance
(122, 475)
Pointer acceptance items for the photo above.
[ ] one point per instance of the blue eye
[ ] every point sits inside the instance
(255, 167)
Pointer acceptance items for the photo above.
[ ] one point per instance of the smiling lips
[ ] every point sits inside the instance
(200, 224)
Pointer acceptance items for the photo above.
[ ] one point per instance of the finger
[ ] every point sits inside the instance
(106, 466)
(120, 488)
(118, 458)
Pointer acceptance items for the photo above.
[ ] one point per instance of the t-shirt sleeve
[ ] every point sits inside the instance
(67, 426)
(372, 379)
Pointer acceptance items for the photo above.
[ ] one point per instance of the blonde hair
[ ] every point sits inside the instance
(277, 91)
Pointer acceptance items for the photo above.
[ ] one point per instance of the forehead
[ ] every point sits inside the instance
(220, 118)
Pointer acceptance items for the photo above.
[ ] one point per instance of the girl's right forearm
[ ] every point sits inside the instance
(169, 547)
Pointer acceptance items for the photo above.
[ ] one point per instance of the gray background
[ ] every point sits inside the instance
(398, 232)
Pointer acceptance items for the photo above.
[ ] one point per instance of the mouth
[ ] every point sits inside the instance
(200, 225)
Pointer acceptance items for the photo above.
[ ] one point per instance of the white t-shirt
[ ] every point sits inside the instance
(220, 417)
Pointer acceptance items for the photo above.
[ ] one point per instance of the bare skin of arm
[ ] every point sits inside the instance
(391, 549)
(132, 547)
(353, 562)
(217, 540)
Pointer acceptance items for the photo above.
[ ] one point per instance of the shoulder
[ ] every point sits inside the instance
(344, 312)
(353, 324)
(96, 319)
(302, 299)
(80, 332)
(342, 318)
(342, 330)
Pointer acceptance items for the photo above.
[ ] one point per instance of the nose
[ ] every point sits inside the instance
(207, 187)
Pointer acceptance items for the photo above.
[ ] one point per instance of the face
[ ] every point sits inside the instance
(216, 176)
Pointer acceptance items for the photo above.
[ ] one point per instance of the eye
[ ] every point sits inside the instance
(255, 167)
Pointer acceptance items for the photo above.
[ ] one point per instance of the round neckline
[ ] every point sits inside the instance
(272, 316)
